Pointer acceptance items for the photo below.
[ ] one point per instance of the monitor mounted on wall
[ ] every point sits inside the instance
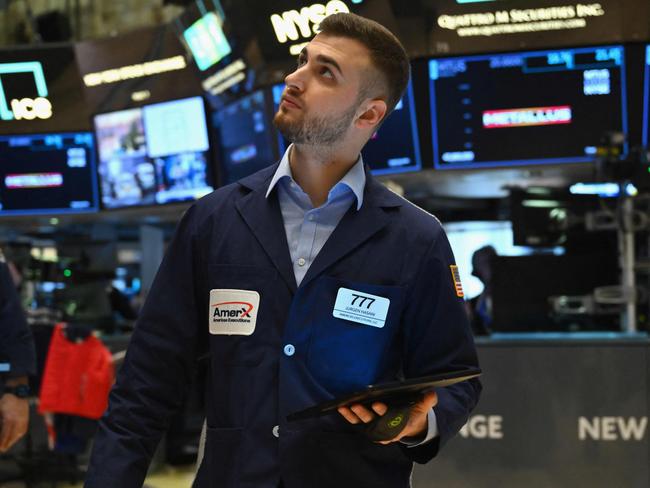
(47, 174)
(526, 108)
(156, 154)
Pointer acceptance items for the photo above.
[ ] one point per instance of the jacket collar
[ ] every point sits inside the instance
(264, 218)
(354, 179)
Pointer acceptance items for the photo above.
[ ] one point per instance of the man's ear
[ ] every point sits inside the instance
(373, 113)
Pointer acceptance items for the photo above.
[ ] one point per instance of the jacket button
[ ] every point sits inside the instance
(289, 350)
(276, 431)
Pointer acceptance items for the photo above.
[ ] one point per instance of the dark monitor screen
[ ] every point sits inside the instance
(245, 136)
(525, 108)
(522, 285)
(544, 217)
(154, 154)
(646, 99)
(47, 173)
(395, 148)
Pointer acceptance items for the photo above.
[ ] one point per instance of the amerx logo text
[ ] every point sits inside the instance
(232, 311)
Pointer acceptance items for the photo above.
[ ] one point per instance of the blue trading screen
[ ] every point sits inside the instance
(394, 148)
(154, 154)
(646, 99)
(47, 173)
(245, 137)
(525, 108)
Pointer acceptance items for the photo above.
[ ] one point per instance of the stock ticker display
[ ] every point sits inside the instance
(646, 99)
(245, 137)
(154, 154)
(47, 173)
(525, 108)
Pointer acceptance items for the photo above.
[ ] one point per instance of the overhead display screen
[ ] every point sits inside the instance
(245, 136)
(526, 108)
(395, 148)
(47, 174)
(154, 154)
(207, 41)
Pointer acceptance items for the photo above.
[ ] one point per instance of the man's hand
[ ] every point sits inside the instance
(416, 425)
(14, 419)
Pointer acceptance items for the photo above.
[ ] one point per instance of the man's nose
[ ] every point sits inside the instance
(296, 79)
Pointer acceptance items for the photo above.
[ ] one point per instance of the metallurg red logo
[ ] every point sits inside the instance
(522, 117)
(232, 312)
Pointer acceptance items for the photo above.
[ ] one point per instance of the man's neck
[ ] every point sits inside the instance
(317, 169)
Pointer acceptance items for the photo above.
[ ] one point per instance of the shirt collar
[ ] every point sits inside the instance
(354, 179)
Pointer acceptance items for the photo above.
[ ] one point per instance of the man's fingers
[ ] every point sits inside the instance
(356, 414)
(363, 413)
(379, 408)
(349, 415)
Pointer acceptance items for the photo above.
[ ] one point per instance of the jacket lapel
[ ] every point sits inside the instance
(264, 218)
(356, 227)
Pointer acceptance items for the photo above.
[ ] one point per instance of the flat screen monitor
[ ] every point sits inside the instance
(525, 108)
(394, 148)
(47, 174)
(245, 136)
(154, 154)
(522, 286)
(207, 41)
(646, 99)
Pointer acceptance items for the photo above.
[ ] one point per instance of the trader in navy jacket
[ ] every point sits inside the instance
(17, 362)
(259, 276)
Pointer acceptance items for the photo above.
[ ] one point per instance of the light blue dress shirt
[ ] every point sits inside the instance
(308, 228)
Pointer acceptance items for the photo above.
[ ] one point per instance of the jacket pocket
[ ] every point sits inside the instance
(345, 354)
(221, 463)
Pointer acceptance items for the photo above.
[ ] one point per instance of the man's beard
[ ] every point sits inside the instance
(316, 130)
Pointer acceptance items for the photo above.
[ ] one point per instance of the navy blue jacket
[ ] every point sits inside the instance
(16, 344)
(235, 239)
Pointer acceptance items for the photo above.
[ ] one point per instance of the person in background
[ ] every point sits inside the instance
(17, 361)
(480, 307)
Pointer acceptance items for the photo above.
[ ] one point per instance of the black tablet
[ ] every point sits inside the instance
(393, 392)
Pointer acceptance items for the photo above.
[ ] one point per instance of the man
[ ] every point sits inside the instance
(252, 278)
(17, 361)
(480, 307)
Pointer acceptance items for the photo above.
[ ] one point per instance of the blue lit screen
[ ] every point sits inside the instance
(646, 99)
(154, 154)
(245, 137)
(527, 107)
(47, 174)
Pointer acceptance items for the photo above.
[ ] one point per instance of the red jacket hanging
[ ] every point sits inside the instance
(77, 377)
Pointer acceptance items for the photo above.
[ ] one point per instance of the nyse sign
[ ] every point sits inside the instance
(612, 428)
(483, 427)
(294, 25)
(25, 108)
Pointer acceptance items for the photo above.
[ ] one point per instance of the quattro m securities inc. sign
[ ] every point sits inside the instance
(470, 26)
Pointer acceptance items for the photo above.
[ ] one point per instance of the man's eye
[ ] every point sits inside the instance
(327, 72)
(301, 61)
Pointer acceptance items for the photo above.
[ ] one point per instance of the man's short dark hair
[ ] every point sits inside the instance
(387, 54)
